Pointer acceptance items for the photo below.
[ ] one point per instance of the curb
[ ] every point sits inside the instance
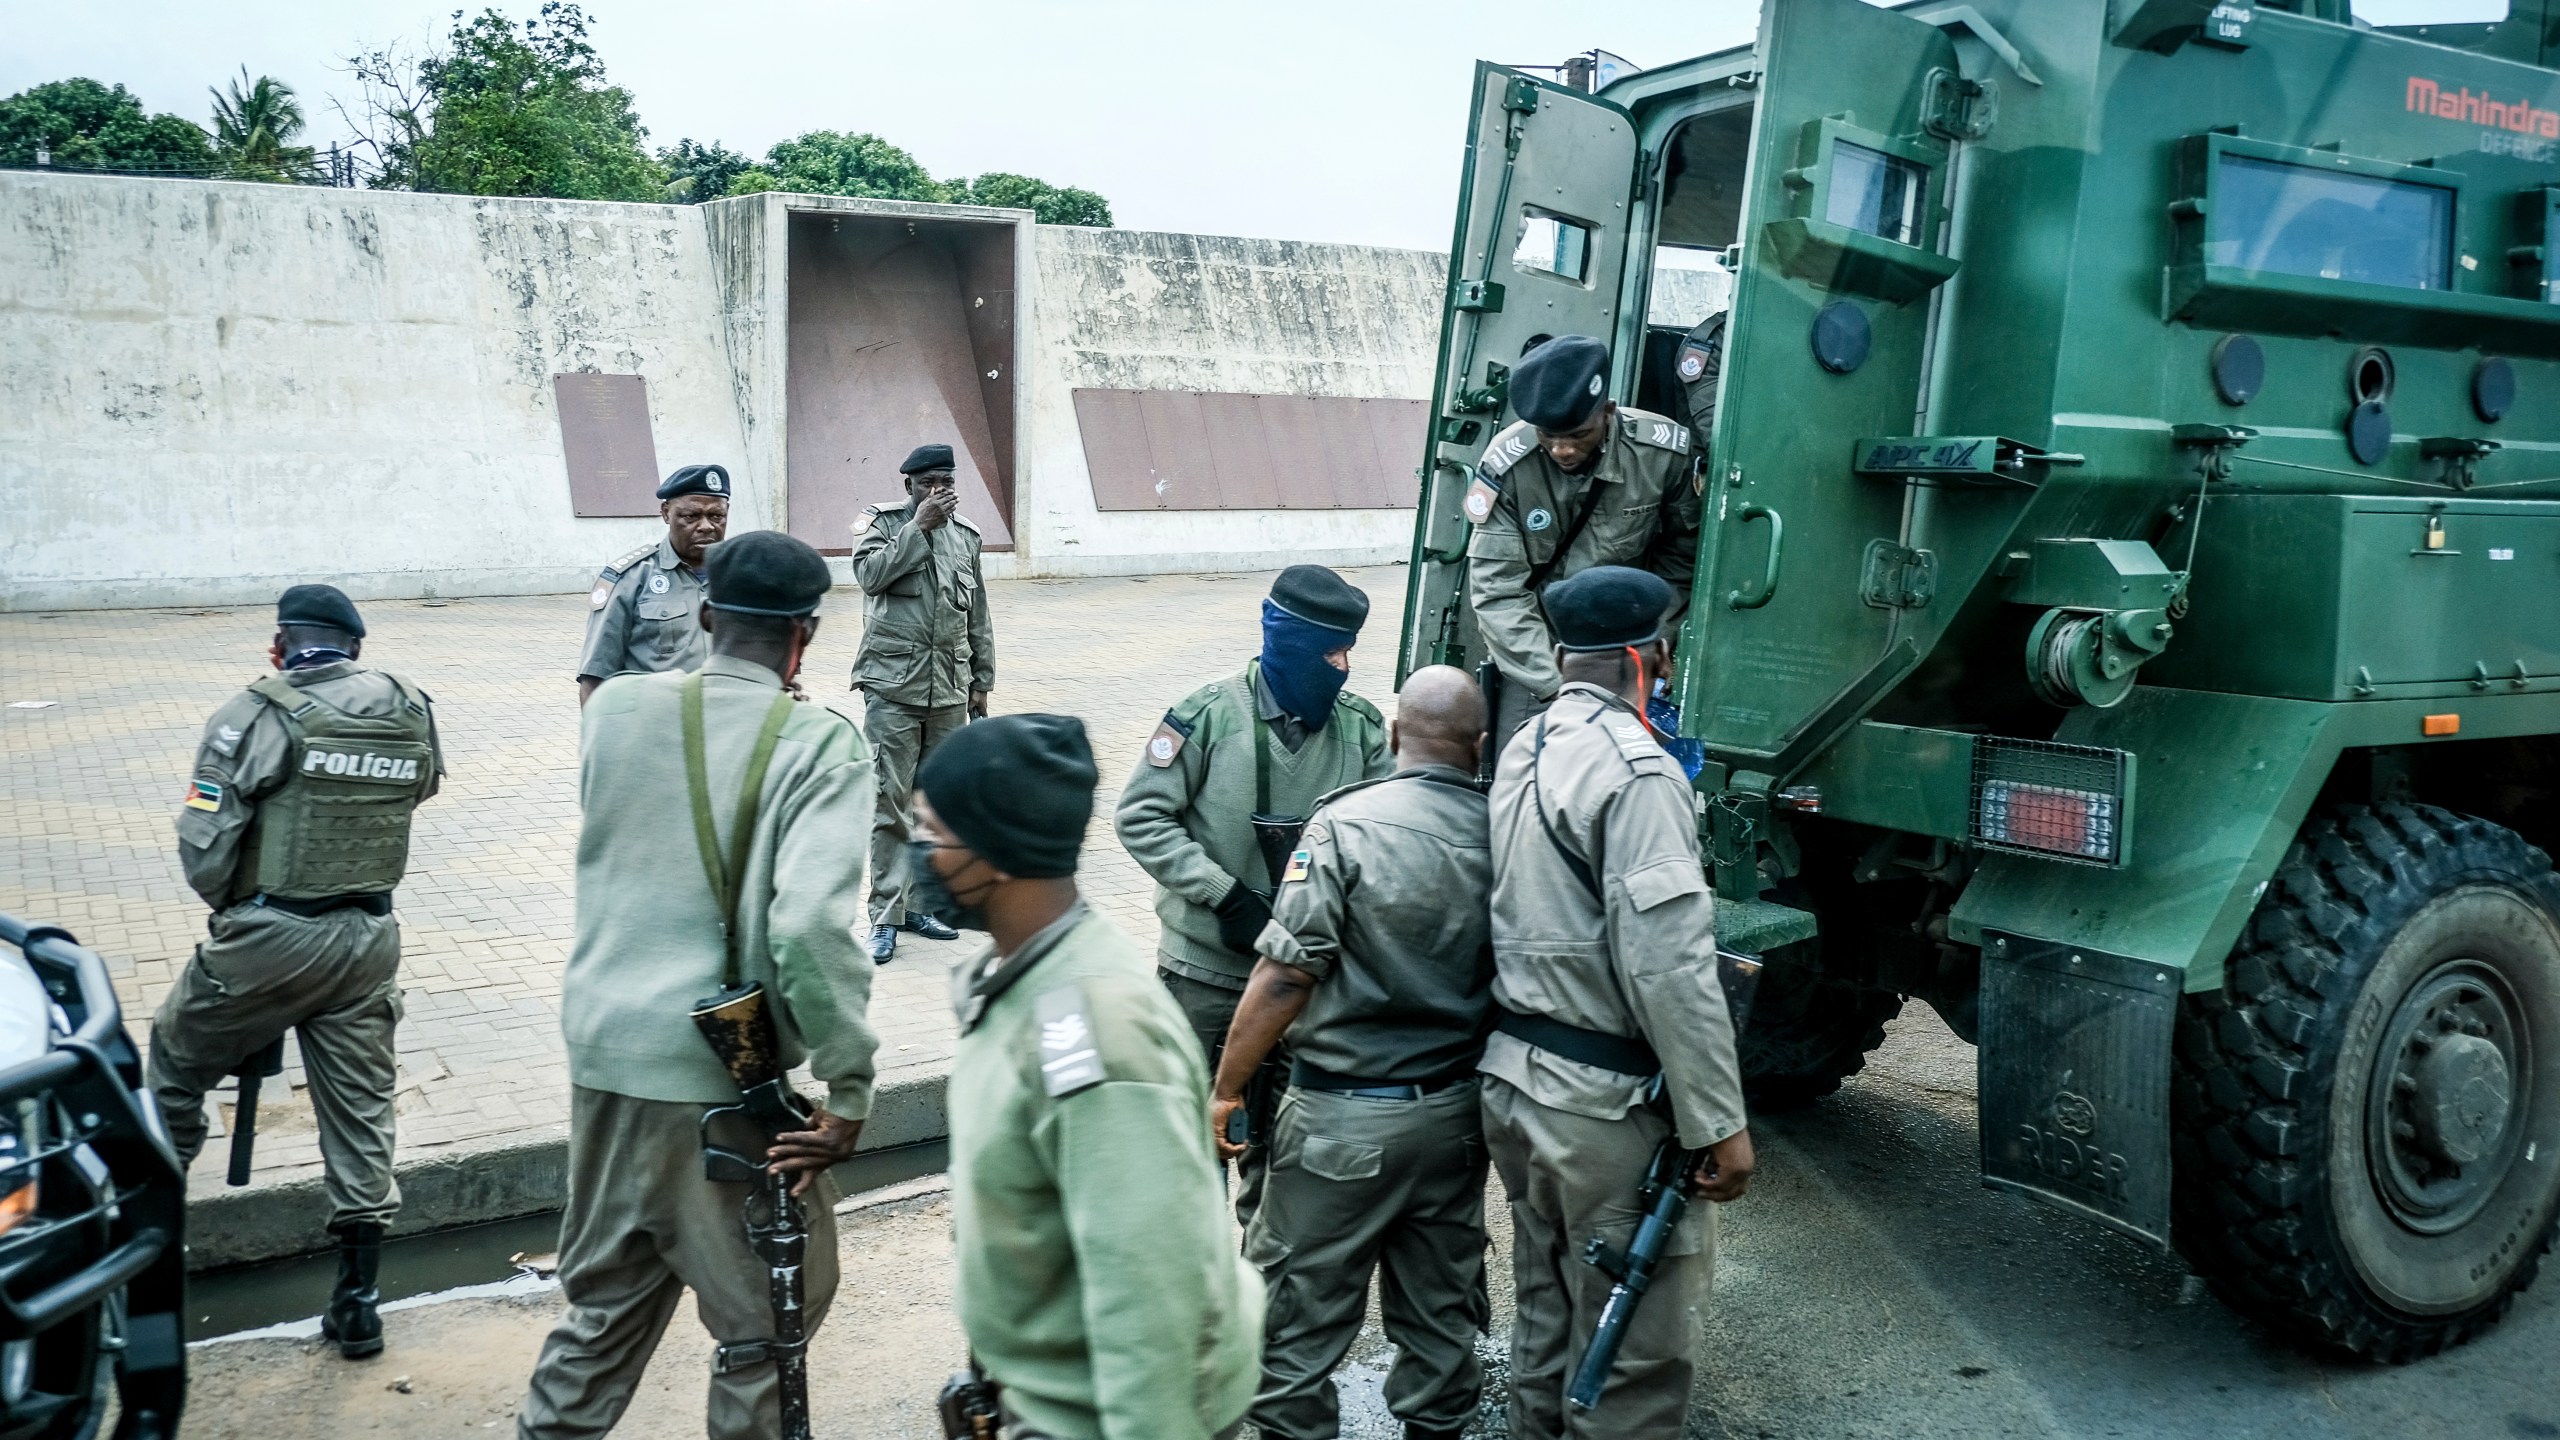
(458, 1187)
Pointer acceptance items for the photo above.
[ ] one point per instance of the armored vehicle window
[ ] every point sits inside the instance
(1702, 174)
(2300, 220)
(1553, 245)
(1875, 192)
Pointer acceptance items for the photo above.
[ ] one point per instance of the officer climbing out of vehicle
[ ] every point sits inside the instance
(1695, 368)
(1214, 807)
(1612, 1029)
(927, 665)
(780, 800)
(645, 613)
(1377, 963)
(1579, 481)
(295, 829)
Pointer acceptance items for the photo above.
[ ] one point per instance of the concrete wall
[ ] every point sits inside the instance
(209, 391)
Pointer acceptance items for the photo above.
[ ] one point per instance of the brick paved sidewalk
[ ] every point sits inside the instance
(93, 782)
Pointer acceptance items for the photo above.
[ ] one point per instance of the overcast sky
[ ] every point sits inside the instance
(1310, 119)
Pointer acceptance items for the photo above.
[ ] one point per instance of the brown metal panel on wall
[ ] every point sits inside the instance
(1189, 450)
(895, 326)
(605, 438)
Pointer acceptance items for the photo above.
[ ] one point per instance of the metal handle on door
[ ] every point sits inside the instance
(1754, 597)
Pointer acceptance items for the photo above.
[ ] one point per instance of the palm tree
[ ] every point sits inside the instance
(253, 129)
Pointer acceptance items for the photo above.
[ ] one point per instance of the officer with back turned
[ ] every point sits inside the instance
(1612, 1030)
(1579, 481)
(1376, 963)
(1214, 807)
(645, 613)
(296, 830)
(927, 664)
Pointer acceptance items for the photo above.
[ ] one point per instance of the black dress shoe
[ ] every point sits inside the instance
(931, 927)
(884, 943)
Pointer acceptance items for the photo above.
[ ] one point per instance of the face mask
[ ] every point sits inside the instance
(928, 893)
(1293, 664)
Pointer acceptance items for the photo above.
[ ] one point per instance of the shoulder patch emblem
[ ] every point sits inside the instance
(1480, 498)
(204, 795)
(658, 583)
(1693, 363)
(1298, 863)
(1168, 740)
(1068, 1061)
(862, 522)
(1540, 519)
(599, 595)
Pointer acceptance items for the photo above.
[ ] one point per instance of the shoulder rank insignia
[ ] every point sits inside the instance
(225, 739)
(1298, 864)
(1068, 1061)
(1508, 449)
(203, 795)
(1168, 740)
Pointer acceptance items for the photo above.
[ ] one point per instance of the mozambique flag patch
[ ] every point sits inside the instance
(203, 795)
(1297, 867)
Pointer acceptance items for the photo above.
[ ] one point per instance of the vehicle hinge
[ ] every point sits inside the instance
(1897, 577)
(1954, 108)
(1488, 398)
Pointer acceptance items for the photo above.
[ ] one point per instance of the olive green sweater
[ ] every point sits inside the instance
(1098, 1276)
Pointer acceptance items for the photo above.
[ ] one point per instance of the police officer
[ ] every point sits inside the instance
(1697, 367)
(1377, 964)
(927, 665)
(295, 829)
(1612, 1028)
(643, 1223)
(644, 614)
(1578, 481)
(1214, 807)
(1098, 1281)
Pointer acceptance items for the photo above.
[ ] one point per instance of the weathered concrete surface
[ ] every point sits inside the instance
(1869, 1288)
(210, 391)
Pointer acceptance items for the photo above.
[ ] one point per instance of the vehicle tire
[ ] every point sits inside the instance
(2367, 1138)
(1807, 1033)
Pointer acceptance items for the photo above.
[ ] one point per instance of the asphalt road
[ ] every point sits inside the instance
(1868, 1287)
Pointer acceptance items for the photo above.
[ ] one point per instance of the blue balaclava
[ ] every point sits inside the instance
(1311, 613)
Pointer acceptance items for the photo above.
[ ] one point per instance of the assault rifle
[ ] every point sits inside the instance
(263, 1062)
(738, 1021)
(1662, 1200)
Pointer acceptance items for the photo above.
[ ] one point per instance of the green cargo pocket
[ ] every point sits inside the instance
(1331, 1159)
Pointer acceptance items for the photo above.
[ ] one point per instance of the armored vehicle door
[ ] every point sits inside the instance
(1798, 615)
(1540, 250)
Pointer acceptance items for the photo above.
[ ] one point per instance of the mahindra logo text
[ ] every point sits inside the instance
(2426, 97)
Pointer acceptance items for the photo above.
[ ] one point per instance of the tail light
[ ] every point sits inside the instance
(2064, 802)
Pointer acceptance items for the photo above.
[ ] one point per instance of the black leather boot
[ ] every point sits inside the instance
(350, 1319)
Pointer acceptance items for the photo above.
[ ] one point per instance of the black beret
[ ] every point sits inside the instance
(765, 572)
(926, 457)
(1315, 594)
(319, 605)
(1608, 606)
(1555, 386)
(1018, 789)
(696, 480)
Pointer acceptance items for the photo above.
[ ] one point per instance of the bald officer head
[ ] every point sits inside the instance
(1440, 719)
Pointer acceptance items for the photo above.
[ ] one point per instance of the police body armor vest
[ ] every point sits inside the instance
(340, 823)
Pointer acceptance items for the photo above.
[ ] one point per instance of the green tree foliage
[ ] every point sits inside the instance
(828, 162)
(254, 127)
(702, 172)
(1051, 204)
(507, 109)
(88, 126)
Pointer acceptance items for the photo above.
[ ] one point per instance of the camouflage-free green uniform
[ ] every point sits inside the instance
(1631, 954)
(926, 644)
(1536, 524)
(1377, 1154)
(1096, 1281)
(643, 1224)
(644, 616)
(295, 829)
(1186, 816)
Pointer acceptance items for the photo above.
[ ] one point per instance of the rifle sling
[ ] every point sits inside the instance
(706, 832)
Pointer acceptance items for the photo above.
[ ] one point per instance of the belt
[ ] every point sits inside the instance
(378, 903)
(1625, 1054)
(1315, 1077)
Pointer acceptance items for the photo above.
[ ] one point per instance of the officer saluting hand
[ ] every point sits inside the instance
(1613, 1030)
(645, 613)
(296, 830)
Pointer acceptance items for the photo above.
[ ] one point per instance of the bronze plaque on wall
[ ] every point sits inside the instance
(1194, 450)
(604, 434)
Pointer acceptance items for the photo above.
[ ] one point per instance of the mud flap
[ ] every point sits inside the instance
(2074, 1077)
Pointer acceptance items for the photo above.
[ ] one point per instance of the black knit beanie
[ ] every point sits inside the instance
(1018, 789)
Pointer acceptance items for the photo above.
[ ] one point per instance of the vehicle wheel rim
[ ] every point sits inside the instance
(2447, 1079)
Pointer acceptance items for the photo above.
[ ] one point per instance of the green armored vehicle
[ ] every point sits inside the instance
(2127, 615)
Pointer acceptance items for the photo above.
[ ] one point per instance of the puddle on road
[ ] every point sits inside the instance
(275, 1292)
